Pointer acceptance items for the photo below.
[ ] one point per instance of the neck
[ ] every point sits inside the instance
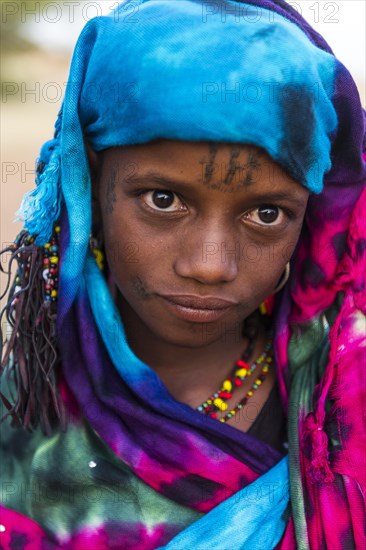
(189, 373)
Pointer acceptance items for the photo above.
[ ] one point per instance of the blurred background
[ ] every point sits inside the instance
(37, 39)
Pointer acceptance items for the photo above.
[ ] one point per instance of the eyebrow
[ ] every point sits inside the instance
(150, 178)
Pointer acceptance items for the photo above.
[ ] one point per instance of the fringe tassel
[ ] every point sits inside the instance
(319, 470)
(315, 437)
(40, 208)
(30, 357)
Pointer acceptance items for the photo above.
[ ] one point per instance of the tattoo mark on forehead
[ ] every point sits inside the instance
(235, 175)
(233, 165)
(252, 165)
(111, 192)
(250, 171)
(210, 165)
(253, 159)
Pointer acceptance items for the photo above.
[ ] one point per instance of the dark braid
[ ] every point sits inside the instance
(29, 355)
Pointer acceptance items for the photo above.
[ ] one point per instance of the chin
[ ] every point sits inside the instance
(195, 336)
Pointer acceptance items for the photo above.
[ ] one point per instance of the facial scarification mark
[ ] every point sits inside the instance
(111, 192)
(233, 165)
(248, 179)
(253, 160)
(233, 176)
(139, 288)
(210, 165)
(251, 166)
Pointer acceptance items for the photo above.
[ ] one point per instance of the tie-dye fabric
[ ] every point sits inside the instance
(137, 469)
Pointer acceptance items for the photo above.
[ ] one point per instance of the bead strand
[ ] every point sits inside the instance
(250, 393)
(50, 264)
(217, 401)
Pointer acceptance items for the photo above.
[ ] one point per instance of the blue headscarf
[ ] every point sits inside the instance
(185, 85)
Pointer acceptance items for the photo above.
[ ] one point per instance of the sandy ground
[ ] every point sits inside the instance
(31, 98)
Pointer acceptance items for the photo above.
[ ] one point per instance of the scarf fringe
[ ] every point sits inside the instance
(40, 208)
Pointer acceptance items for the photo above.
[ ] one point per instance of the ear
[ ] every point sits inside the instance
(94, 160)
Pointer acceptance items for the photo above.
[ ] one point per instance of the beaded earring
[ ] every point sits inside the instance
(266, 307)
(96, 247)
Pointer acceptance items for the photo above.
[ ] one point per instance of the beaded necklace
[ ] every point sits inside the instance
(241, 370)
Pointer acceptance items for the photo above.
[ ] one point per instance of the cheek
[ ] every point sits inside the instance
(262, 264)
(134, 253)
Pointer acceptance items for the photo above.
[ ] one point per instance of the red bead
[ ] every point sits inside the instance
(48, 287)
(238, 382)
(46, 261)
(213, 415)
(243, 364)
(269, 304)
(225, 394)
(53, 271)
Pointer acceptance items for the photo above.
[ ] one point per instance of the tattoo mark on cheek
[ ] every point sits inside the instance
(111, 192)
(139, 288)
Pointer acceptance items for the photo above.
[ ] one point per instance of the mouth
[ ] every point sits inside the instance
(197, 309)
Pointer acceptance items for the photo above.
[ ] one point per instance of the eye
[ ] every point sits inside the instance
(160, 199)
(267, 215)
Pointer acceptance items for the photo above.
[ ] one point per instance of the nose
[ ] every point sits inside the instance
(210, 259)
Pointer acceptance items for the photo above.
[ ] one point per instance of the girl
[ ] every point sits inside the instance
(185, 367)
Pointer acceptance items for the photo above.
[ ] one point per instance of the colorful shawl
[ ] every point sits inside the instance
(136, 468)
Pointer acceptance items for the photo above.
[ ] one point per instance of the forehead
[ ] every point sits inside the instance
(228, 167)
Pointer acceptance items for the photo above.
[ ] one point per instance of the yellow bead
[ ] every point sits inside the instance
(54, 260)
(265, 369)
(262, 308)
(220, 404)
(258, 382)
(209, 401)
(269, 359)
(99, 257)
(53, 293)
(57, 229)
(227, 385)
(232, 412)
(47, 245)
(241, 372)
(250, 393)
(222, 419)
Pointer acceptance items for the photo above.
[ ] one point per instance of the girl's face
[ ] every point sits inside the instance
(197, 235)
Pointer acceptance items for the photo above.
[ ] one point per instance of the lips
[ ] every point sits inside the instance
(197, 308)
(198, 302)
